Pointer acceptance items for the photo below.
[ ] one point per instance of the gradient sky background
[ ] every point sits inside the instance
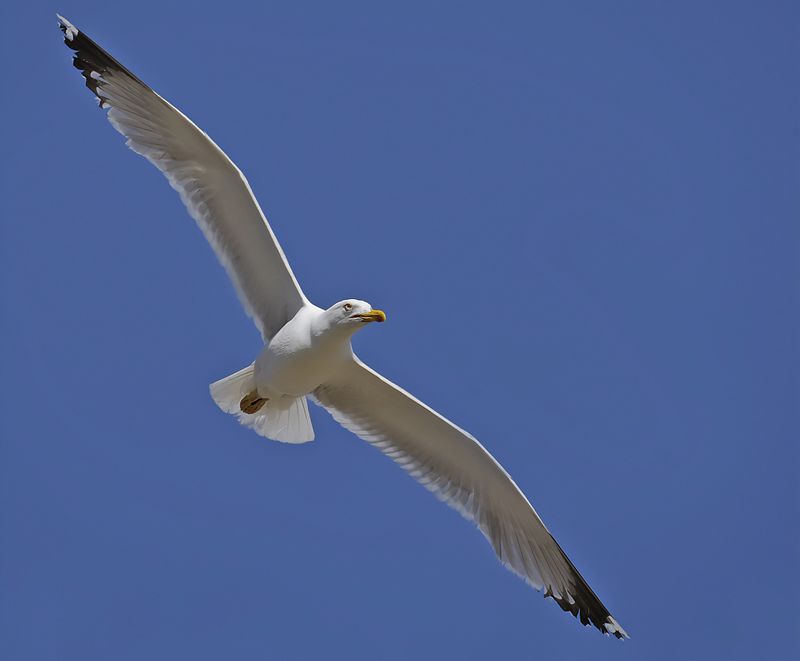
(582, 219)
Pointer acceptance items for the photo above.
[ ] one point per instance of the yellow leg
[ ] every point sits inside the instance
(252, 402)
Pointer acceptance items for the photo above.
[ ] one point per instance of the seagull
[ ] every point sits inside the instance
(308, 352)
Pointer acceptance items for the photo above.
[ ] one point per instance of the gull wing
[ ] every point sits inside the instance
(459, 470)
(213, 189)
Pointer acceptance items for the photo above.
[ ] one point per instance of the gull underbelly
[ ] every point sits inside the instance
(298, 360)
(293, 374)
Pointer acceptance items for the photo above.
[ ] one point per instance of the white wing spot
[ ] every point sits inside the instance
(70, 31)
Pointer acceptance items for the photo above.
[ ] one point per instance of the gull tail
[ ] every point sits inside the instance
(285, 419)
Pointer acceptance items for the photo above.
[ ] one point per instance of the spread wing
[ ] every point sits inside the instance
(213, 189)
(459, 470)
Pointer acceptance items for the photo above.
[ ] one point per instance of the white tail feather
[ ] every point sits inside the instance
(285, 419)
(228, 392)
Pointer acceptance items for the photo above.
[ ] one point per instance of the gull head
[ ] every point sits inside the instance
(351, 315)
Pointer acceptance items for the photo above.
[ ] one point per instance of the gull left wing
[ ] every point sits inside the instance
(459, 470)
(213, 189)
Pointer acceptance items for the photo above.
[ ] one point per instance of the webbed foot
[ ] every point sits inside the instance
(252, 402)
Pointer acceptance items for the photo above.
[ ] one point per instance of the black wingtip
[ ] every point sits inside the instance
(586, 607)
(92, 60)
(583, 603)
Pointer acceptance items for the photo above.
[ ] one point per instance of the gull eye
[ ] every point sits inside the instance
(347, 307)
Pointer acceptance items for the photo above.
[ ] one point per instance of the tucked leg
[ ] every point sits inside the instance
(252, 402)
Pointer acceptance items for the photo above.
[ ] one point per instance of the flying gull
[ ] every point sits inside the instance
(308, 353)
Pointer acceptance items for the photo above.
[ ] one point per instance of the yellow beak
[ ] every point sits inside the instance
(372, 315)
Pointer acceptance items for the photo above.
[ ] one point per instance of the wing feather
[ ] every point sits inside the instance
(214, 190)
(458, 469)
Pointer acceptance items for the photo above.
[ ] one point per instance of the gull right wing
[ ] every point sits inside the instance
(213, 189)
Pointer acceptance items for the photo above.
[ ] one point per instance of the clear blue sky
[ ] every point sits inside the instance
(604, 194)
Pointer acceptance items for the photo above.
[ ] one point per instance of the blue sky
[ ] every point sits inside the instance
(600, 203)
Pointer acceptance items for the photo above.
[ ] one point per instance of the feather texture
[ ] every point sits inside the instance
(213, 189)
(458, 469)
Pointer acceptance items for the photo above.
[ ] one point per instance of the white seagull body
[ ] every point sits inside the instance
(308, 350)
